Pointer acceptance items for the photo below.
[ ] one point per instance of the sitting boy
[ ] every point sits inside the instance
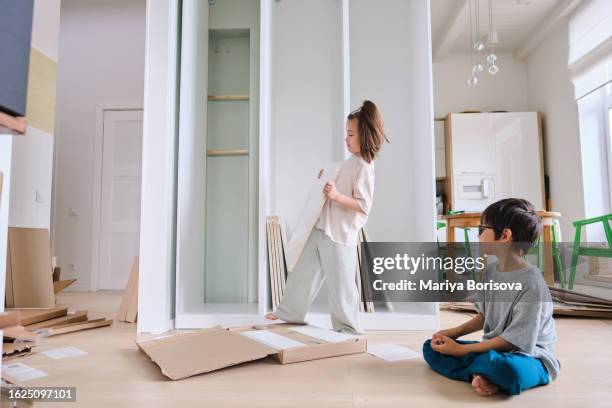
(516, 352)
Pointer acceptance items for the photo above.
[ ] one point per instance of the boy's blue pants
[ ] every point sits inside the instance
(511, 372)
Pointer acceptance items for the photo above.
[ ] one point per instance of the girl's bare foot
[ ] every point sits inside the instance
(483, 387)
(271, 316)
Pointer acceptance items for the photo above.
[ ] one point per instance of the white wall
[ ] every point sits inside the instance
(590, 27)
(306, 100)
(397, 77)
(101, 51)
(506, 90)
(45, 27)
(31, 178)
(32, 156)
(551, 92)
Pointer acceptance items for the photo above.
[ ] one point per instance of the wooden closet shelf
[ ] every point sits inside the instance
(228, 97)
(235, 152)
(12, 125)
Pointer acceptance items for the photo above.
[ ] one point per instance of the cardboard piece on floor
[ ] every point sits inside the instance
(571, 296)
(58, 286)
(187, 354)
(28, 276)
(29, 316)
(57, 271)
(128, 310)
(309, 214)
(78, 316)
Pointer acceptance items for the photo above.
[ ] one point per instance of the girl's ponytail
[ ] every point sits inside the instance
(371, 129)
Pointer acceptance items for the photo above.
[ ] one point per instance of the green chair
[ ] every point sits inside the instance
(537, 250)
(586, 251)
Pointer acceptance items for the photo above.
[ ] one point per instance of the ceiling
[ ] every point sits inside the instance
(514, 23)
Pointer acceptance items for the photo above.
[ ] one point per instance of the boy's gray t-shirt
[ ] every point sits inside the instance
(523, 318)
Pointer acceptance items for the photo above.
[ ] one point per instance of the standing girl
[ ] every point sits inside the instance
(330, 252)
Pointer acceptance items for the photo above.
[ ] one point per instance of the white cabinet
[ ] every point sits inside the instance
(494, 156)
(473, 144)
(518, 154)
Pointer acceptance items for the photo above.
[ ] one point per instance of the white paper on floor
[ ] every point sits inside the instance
(327, 335)
(22, 372)
(63, 352)
(392, 352)
(276, 341)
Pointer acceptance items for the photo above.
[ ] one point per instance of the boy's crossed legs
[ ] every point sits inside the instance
(489, 372)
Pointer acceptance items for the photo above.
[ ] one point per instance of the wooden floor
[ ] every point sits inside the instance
(116, 373)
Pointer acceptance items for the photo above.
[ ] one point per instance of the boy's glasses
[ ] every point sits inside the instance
(481, 228)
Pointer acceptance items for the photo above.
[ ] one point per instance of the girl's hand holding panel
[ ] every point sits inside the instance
(330, 190)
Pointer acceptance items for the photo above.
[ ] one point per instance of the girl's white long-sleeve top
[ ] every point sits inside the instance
(356, 180)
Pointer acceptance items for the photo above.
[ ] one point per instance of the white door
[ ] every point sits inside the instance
(120, 198)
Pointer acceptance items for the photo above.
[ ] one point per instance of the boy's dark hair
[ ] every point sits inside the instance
(371, 129)
(519, 216)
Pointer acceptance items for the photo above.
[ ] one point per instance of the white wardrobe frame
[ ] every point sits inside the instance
(159, 292)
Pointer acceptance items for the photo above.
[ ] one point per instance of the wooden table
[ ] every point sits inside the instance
(472, 220)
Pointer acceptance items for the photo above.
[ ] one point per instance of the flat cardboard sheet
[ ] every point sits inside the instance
(309, 214)
(185, 355)
(29, 281)
(128, 309)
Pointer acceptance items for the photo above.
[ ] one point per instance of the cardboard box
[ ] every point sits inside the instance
(28, 271)
(314, 349)
(184, 355)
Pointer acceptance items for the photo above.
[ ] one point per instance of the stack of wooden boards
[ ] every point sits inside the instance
(276, 258)
(34, 322)
(128, 310)
(569, 303)
(278, 266)
(566, 303)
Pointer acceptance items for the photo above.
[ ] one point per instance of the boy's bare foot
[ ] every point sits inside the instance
(271, 316)
(483, 387)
